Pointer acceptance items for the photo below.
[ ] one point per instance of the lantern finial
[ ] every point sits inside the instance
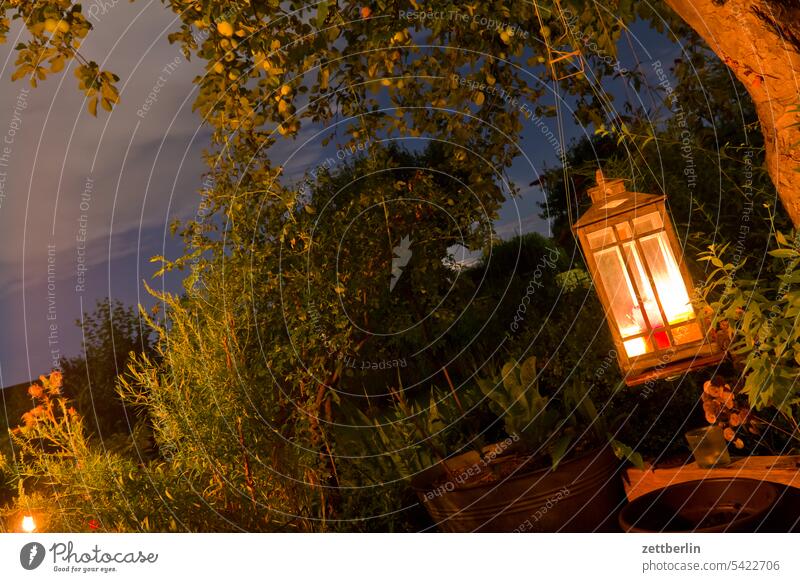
(605, 187)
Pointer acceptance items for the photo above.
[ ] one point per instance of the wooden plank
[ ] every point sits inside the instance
(779, 469)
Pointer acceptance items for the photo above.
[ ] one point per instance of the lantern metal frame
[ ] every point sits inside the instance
(624, 215)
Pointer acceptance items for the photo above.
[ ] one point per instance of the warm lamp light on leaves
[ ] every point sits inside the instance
(633, 257)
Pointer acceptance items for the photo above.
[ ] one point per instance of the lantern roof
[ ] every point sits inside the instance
(611, 199)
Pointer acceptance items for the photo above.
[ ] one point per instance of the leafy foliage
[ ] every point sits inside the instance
(57, 29)
(560, 426)
(699, 146)
(518, 402)
(65, 481)
(761, 315)
(112, 334)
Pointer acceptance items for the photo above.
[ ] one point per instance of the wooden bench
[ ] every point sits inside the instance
(781, 469)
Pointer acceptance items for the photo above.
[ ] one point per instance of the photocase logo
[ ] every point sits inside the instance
(402, 254)
(31, 555)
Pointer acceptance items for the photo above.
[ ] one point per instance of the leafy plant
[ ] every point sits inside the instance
(71, 484)
(416, 434)
(760, 318)
(557, 426)
(758, 325)
(112, 335)
(516, 399)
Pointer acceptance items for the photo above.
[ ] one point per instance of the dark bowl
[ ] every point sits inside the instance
(709, 505)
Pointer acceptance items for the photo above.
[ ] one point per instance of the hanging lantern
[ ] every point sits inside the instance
(636, 265)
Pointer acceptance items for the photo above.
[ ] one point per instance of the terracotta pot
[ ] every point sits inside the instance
(583, 494)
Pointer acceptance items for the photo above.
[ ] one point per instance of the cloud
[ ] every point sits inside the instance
(72, 176)
(139, 167)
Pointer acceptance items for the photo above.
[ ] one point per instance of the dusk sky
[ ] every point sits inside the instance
(99, 193)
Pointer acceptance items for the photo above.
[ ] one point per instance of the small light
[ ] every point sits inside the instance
(28, 525)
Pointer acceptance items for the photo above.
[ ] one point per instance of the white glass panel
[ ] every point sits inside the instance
(624, 230)
(687, 333)
(647, 223)
(619, 290)
(636, 347)
(667, 277)
(643, 285)
(600, 238)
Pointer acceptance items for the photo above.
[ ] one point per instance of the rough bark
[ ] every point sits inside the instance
(760, 41)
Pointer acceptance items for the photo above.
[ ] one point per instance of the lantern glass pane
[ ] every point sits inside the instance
(618, 288)
(600, 238)
(647, 223)
(688, 333)
(642, 283)
(624, 230)
(636, 347)
(667, 277)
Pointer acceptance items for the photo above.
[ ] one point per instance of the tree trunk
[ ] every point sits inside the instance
(760, 41)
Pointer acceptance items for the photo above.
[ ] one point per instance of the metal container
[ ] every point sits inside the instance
(709, 505)
(583, 494)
